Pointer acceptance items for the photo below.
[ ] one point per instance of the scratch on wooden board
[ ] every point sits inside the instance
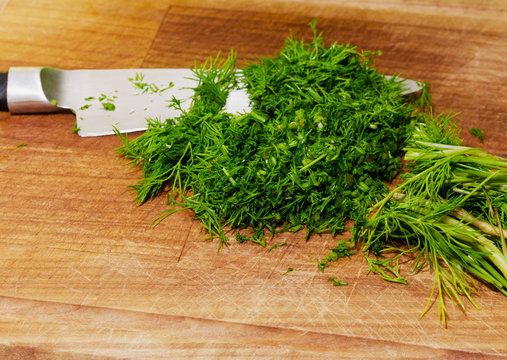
(71, 289)
(143, 269)
(122, 295)
(2, 5)
(42, 333)
(493, 329)
(352, 290)
(80, 273)
(250, 270)
(306, 290)
(84, 299)
(157, 298)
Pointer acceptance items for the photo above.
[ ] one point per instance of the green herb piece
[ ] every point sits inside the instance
(109, 106)
(341, 250)
(277, 246)
(53, 102)
(326, 129)
(20, 145)
(257, 238)
(150, 88)
(478, 133)
(75, 129)
(290, 269)
(450, 210)
(105, 100)
(337, 282)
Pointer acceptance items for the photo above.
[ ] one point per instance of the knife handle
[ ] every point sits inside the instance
(23, 90)
(3, 92)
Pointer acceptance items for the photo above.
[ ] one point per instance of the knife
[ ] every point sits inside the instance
(104, 100)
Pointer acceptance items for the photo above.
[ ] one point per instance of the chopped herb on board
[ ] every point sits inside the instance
(20, 145)
(289, 269)
(326, 129)
(478, 133)
(337, 282)
(277, 246)
(342, 249)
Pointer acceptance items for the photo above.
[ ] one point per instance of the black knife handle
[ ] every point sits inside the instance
(3, 92)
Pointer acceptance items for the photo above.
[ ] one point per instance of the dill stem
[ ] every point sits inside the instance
(313, 162)
(469, 234)
(484, 226)
(496, 256)
(416, 177)
(461, 214)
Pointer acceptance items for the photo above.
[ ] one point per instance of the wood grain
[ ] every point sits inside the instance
(84, 276)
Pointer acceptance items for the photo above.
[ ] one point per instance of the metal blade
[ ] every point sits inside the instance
(124, 99)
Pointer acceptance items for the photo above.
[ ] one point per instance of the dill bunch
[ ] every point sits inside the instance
(325, 130)
(450, 210)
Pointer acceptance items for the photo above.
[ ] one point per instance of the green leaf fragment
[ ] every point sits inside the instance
(337, 282)
(108, 106)
(75, 128)
(289, 269)
(478, 133)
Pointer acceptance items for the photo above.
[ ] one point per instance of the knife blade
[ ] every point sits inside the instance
(104, 100)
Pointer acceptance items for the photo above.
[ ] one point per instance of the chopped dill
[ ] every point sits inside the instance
(337, 282)
(478, 133)
(277, 246)
(108, 106)
(289, 269)
(75, 128)
(343, 249)
(325, 131)
(20, 145)
(147, 88)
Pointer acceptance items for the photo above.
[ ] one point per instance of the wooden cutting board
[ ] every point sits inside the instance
(84, 276)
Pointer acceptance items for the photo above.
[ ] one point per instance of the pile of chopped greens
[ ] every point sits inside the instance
(325, 132)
